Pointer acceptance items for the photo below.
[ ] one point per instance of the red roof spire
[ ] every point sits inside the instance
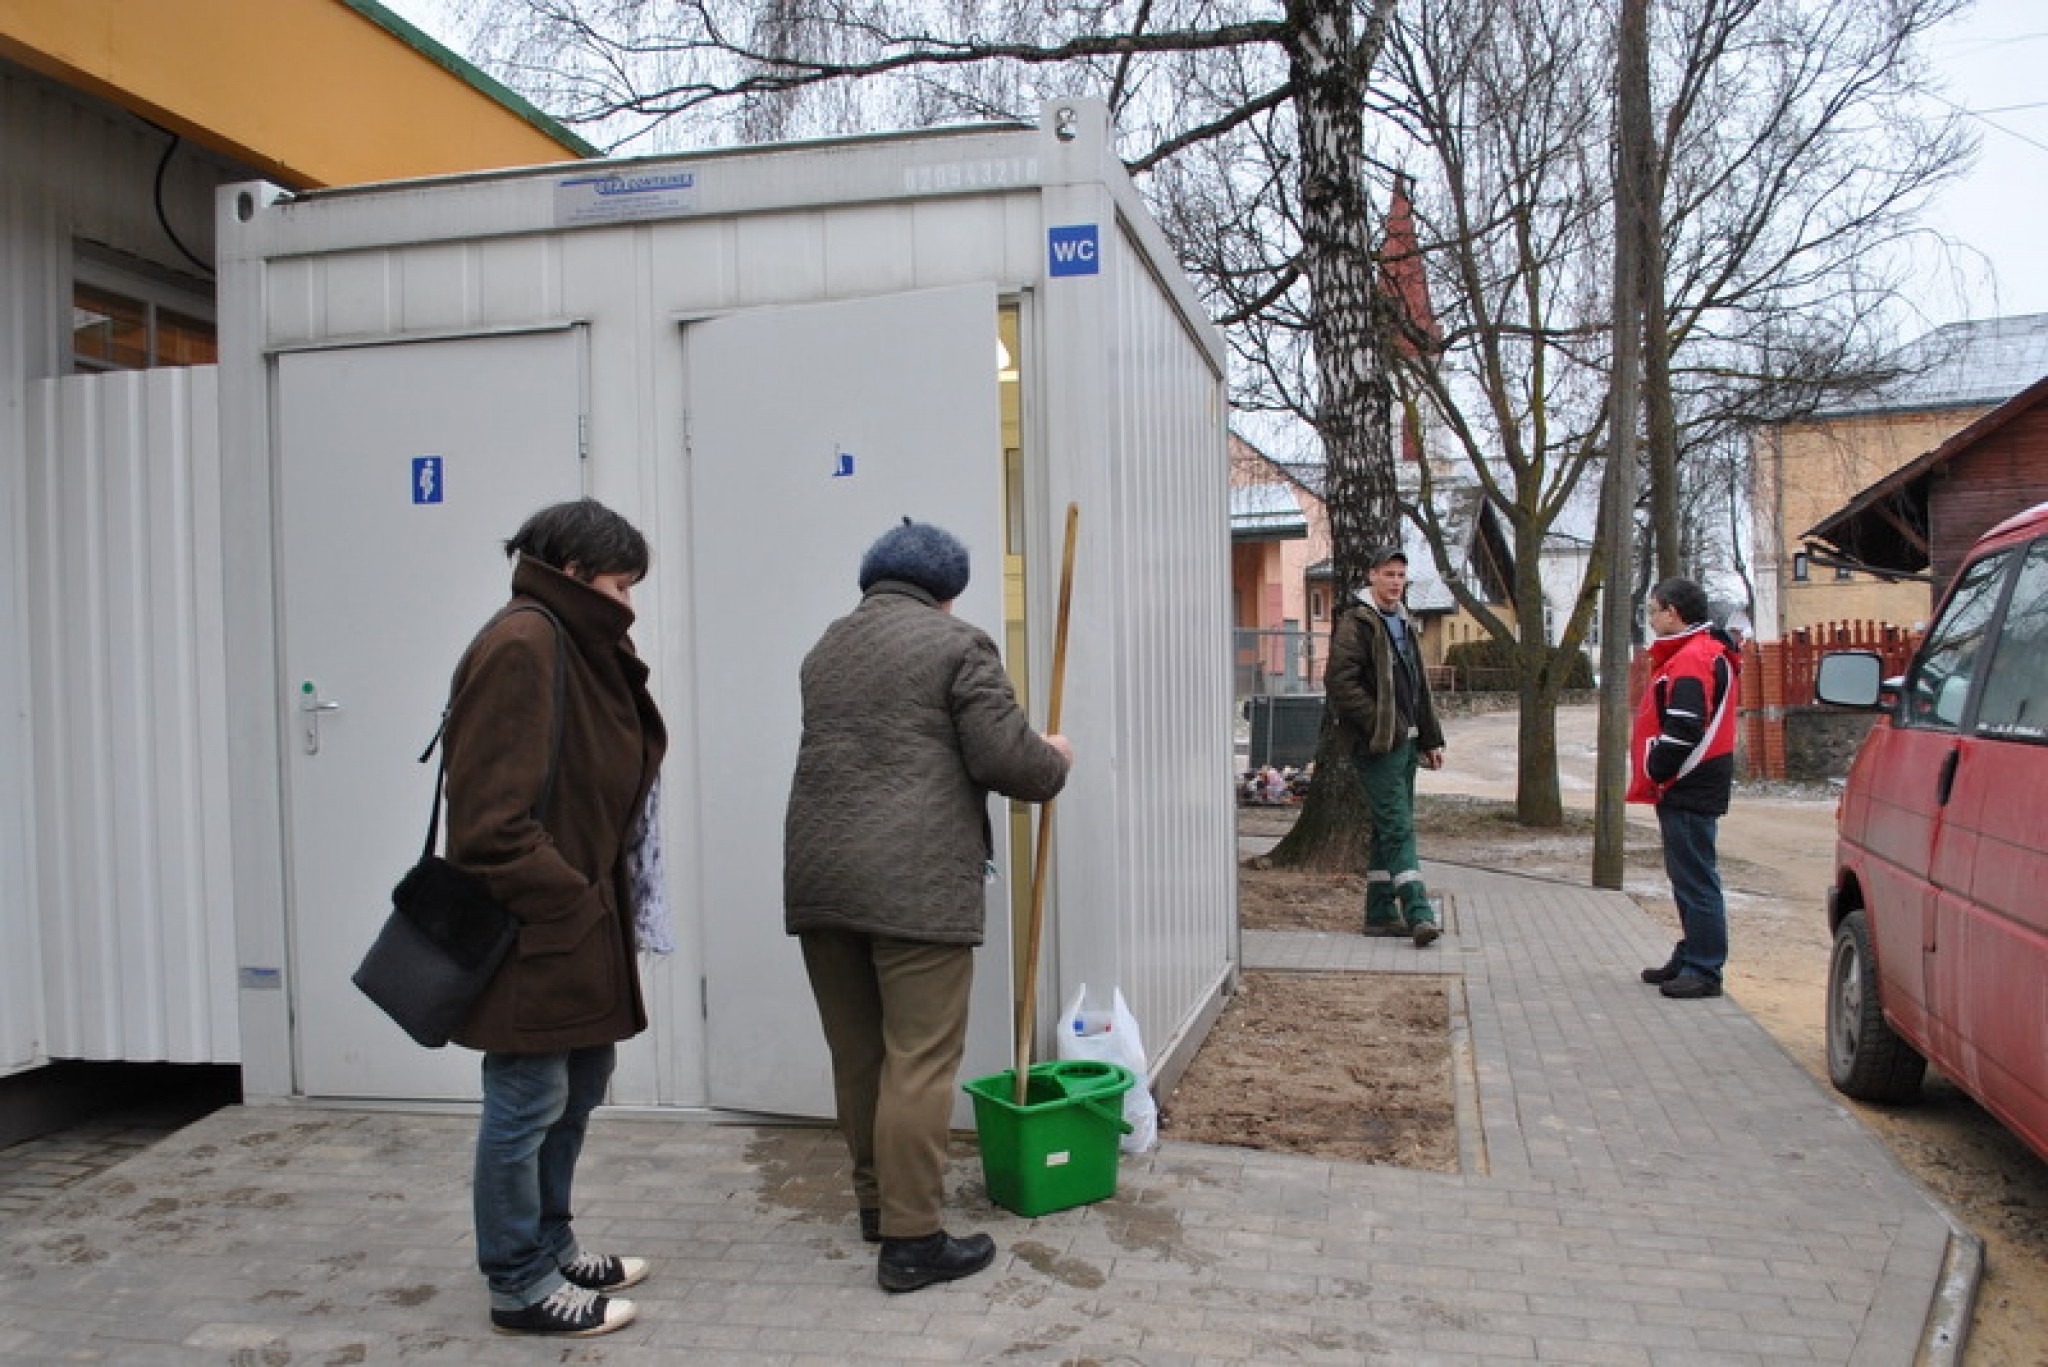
(1401, 273)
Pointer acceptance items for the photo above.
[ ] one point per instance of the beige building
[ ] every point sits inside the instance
(1806, 471)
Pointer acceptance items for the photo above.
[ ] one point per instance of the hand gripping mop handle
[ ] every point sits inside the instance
(1027, 993)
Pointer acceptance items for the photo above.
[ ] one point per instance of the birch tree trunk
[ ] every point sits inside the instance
(1354, 415)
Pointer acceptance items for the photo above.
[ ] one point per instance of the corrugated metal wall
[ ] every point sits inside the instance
(134, 919)
(81, 179)
(1171, 539)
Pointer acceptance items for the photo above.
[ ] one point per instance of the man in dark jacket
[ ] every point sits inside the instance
(909, 724)
(1377, 687)
(1682, 759)
(553, 702)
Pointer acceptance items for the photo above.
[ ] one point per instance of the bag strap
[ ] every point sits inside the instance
(547, 787)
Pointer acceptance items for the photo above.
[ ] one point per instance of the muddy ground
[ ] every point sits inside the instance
(1264, 1073)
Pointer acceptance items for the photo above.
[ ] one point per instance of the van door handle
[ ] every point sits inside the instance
(1948, 777)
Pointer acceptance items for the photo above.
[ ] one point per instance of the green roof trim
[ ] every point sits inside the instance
(470, 74)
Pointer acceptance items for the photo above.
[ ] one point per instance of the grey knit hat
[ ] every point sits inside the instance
(917, 553)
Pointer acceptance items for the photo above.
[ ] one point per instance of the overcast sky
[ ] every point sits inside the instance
(1992, 59)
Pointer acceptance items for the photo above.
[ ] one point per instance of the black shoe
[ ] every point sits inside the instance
(571, 1313)
(907, 1264)
(1426, 933)
(1690, 987)
(1654, 976)
(1391, 929)
(605, 1271)
(871, 1224)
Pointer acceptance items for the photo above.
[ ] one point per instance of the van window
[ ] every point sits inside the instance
(2015, 701)
(1939, 681)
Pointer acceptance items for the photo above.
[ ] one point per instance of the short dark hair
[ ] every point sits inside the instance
(583, 533)
(1683, 597)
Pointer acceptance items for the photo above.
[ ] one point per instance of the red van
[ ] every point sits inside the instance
(1940, 903)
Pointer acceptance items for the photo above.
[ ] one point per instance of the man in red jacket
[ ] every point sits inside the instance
(1682, 759)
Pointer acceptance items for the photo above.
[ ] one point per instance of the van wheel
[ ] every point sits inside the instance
(1866, 1059)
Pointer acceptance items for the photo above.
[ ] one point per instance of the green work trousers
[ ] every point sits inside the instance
(1394, 891)
(895, 1018)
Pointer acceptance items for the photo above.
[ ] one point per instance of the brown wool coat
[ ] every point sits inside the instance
(909, 724)
(571, 982)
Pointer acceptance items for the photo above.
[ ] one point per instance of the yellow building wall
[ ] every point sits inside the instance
(1819, 468)
(312, 92)
(1456, 628)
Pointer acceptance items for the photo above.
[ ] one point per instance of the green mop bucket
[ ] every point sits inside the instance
(1059, 1149)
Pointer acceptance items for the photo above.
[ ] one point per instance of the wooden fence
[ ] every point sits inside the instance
(1777, 675)
(1801, 651)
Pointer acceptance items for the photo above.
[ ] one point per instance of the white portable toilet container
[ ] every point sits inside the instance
(765, 358)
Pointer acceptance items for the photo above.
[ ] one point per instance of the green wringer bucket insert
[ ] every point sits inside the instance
(1059, 1149)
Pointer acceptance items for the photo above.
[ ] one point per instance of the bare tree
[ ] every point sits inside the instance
(1782, 163)
(1244, 120)
(1782, 166)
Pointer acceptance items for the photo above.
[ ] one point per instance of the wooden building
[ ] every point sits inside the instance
(1920, 521)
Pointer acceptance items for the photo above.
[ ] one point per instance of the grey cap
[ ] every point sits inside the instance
(1382, 554)
(917, 553)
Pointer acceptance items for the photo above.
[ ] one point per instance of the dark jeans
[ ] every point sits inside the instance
(536, 1110)
(1689, 861)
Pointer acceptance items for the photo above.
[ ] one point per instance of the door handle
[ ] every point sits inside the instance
(1946, 784)
(311, 705)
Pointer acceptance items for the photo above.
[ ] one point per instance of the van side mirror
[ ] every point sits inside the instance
(1849, 678)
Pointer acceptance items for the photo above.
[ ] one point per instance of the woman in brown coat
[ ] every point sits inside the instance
(909, 725)
(552, 745)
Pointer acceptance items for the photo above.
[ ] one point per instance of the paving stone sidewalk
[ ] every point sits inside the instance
(1647, 1182)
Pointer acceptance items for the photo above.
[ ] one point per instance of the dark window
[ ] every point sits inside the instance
(2015, 701)
(1938, 684)
(125, 315)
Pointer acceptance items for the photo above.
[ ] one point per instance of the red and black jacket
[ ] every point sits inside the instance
(1682, 747)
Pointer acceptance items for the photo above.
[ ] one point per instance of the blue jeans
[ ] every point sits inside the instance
(1689, 861)
(536, 1110)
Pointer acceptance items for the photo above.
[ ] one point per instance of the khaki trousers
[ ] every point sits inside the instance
(895, 1018)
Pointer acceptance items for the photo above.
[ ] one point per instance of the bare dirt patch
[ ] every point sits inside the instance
(1334, 1065)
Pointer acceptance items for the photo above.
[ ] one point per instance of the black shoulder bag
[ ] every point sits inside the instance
(446, 935)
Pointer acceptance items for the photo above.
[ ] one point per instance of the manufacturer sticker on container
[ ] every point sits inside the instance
(625, 196)
(1058, 1160)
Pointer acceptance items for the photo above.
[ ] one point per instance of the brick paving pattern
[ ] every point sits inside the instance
(1647, 1182)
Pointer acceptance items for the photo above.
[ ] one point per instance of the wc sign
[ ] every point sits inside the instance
(1074, 250)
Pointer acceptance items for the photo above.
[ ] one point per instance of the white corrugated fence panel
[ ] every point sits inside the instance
(127, 700)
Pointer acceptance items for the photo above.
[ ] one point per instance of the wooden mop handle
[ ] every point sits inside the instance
(1027, 994)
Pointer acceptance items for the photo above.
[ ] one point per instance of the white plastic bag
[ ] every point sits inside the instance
(1112, 1037)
